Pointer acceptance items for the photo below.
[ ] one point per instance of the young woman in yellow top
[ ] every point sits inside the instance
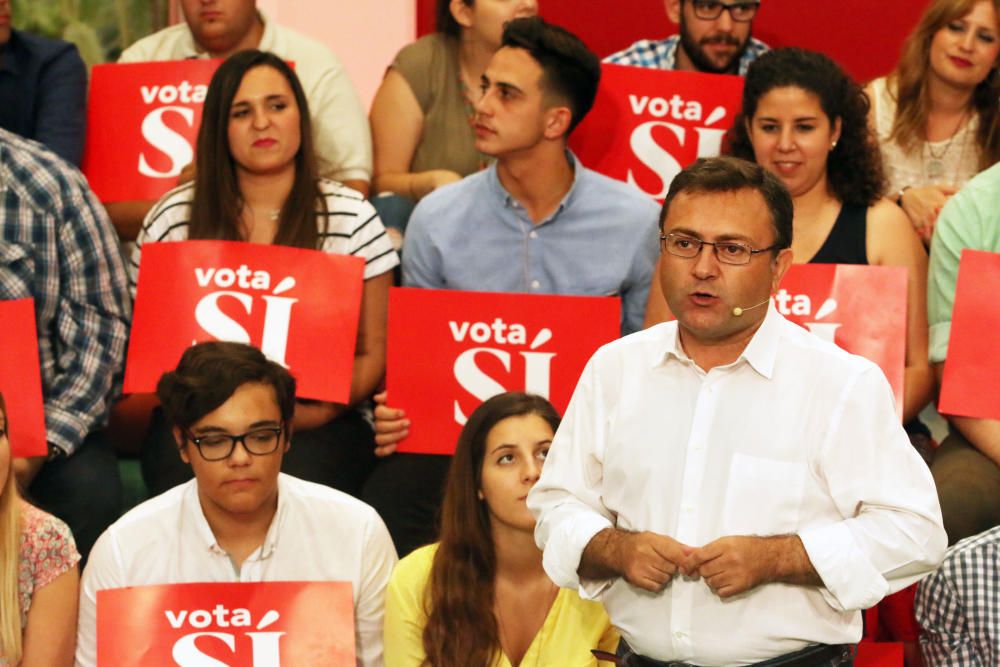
(479, 597)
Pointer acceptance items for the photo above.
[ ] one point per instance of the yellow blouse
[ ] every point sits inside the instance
(573, 626)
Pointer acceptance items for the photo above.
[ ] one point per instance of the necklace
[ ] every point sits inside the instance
(934, 168)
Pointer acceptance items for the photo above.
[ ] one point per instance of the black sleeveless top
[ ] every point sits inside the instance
(847, 242)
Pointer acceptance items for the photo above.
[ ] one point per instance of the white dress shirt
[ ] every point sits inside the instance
(317, 534)
(795, 437)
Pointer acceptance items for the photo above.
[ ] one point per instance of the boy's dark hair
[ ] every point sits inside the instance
(730, 174)
(208, 374)
(571, 71)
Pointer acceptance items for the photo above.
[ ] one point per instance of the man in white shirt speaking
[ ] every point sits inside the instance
(732, 488)
(240, 519)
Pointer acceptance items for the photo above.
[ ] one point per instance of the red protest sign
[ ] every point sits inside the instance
(648, 124)
(969, 387)
(142, 122)
(21, 379)
(840, 303)
(448, 351)
(300, 307)
(267, 624)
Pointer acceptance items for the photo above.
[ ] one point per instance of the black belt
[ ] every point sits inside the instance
(811, 656)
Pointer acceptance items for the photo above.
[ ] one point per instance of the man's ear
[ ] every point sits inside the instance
(673, 8)
(782, 262)
(181, 444)
(557, 122)
(287, 434)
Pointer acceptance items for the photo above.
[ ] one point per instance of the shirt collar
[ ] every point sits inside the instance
(207, 537)
(507, 200)
(760, 352)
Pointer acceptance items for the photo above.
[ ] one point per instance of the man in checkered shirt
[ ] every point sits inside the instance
(959, 605)
(714, 37)
(57, 246)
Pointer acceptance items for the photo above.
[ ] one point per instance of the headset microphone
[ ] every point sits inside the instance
(738, 312)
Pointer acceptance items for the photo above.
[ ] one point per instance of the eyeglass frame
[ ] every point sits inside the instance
(715, 248)
(728, 7)
(233, 439)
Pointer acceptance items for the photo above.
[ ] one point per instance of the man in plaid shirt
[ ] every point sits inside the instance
(58, 247)
(714, 37)
(959, 605)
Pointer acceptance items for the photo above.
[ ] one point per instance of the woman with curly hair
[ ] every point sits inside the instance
(479, 597)
(936, 115)
(805, 120)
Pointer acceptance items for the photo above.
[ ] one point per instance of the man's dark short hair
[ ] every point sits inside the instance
(210, 373)
(730, 174)
(571, 71)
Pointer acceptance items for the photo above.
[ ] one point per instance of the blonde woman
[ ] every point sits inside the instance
(936, 115)
(39, 582)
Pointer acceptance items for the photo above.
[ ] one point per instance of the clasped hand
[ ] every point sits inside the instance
(728, 565)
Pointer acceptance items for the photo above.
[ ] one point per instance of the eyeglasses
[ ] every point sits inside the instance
(727, 252)
(219, 446)
(709, 10)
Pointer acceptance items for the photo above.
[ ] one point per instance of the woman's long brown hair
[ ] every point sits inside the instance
(461, 629)
(908, 83)
(218, 202)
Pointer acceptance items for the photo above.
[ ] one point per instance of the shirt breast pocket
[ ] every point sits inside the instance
(763, 496)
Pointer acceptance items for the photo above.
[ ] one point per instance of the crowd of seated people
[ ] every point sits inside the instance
(466, 161)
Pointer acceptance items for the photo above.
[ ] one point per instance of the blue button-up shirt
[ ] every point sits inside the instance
(58, 247)
(474, 235)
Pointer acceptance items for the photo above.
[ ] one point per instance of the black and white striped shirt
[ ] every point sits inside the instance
(350, 226)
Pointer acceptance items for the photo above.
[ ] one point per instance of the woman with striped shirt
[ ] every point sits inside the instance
(256, 180)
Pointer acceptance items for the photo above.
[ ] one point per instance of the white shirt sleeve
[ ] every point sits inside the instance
(369, 610)
(566, 501)
(103, 572)
(342, 136)
(891, 534)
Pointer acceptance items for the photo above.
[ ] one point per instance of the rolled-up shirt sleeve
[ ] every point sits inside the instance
(891, 533)
(566, 501)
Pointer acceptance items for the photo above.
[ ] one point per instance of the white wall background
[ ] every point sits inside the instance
(365, 34)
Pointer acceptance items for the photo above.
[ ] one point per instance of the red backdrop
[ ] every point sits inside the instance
(861, 35)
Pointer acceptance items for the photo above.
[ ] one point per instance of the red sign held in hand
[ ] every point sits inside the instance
(268, 624)
(969, 387)
(449, 351)
(860, 308)
(142, 123)
(300, 307)
(648, 124)
(21, 378)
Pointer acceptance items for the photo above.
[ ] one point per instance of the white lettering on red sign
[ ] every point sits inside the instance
(477, 382)
(277, 314)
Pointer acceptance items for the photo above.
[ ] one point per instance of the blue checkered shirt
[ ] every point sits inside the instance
(662, 54)
(959, 605)
(59, 248)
